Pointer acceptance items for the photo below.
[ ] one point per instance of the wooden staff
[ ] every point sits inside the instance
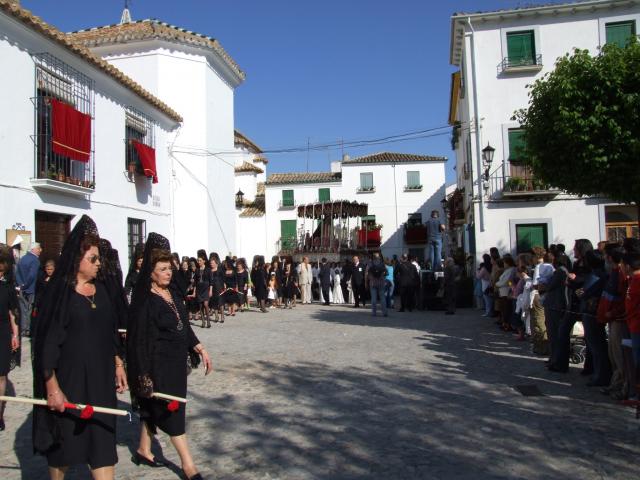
(87, 410)
(165, 396)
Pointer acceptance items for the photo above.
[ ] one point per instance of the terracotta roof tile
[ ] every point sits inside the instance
(261, 159)
(37, 24)
(247, 167)
(152, 28)
(314, 177)
(390, 157)
(255, 208)
(243, 140)
(260, 188)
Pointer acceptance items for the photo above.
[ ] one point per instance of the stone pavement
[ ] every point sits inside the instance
(333, 393)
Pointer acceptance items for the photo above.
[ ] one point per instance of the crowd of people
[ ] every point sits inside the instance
(544, 296)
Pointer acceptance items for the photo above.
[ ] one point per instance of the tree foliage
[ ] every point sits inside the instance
(582, 126)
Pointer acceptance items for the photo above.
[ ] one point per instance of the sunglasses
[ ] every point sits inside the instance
(93, 258)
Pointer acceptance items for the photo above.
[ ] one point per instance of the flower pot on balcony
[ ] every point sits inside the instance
(61, 177)
(131, 168)
(85, 183)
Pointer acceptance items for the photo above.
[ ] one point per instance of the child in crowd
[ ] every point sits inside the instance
(523, 292)
(272, 290)
(543, 270)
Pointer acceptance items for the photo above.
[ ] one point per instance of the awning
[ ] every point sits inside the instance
(333, 209)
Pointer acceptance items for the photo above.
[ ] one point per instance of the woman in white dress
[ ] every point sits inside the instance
(338, 298)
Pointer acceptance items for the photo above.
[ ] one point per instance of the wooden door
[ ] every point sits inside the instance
(52, 229)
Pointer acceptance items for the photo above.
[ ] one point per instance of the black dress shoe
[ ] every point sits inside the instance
(197, 476)
(2, 426)
(140, 460)
(585, 372)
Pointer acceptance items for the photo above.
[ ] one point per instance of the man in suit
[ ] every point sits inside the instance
(324, 276)
(357, 282)
(305, 278)
(344, 280)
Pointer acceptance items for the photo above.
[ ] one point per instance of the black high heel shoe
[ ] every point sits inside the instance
(140, 460)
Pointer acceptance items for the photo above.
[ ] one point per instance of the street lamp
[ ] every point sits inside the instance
(239, 199)
(445, 204)
(487, 159)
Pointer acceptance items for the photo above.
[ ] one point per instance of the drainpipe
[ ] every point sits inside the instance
(477, 124)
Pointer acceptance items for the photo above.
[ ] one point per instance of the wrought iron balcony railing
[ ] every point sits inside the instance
(520, 64)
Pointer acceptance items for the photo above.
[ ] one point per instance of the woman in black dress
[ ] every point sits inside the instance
(243, 283)
(289, 286)
(190, 278)
(230, 296)
(132, 276)
(76, 358)
(9, 340)
(259, 281)
(160, 340)
(215, 289)
(202, 291)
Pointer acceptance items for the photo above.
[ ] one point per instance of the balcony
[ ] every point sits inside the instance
(63, 175)
(415, 234)
(522, 185)
(366, 190)
(413, 188)
(520, 64)
(369, 238)
(282, 205)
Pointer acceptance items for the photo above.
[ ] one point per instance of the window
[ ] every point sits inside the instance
(620, 33)
(324, 194)
(287, 234)
(366, 182)
(516, 145)
(413, 181)
(414, 220)
(531, 235)
(136, 230)
(369, 222)
(138, 128)
(287, 198)
(521, 48)
(67, 96)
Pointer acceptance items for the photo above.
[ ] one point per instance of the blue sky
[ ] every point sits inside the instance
(319, 70)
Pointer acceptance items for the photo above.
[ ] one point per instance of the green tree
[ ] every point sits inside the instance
(582, 126)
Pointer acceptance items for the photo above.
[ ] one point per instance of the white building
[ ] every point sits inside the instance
(195, 75)
(251, 221)
(71, 124)
(399, 190)
(498, 54)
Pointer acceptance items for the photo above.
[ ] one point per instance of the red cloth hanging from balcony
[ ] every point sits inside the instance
(147, 157)
(71, 131)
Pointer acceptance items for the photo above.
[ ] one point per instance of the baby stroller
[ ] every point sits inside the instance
(577, 345)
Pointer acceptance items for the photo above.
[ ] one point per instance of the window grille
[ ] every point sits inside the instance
(136, 230)
(413, 180)
(366, 181)
(138, 127)
(57, 80)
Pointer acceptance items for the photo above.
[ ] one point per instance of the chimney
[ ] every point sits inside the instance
(346, 157)
(336, 167)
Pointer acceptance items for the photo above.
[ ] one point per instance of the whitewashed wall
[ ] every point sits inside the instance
(115, 198)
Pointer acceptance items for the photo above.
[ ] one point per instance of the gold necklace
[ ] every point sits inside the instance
(91, 299)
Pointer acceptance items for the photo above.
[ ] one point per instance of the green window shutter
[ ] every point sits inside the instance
(516, 146)
(529, 236)
(619, 33)
(521, 48)
(324, 194)
(366, 181)
(413, 179)
(287, 198)
(288, 233)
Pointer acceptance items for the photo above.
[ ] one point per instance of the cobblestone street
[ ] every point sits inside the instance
(332, 393)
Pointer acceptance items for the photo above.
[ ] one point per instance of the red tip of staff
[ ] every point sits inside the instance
(173, 406)
(87, 412)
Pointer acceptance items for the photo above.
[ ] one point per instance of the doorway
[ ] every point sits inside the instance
(52, 229)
